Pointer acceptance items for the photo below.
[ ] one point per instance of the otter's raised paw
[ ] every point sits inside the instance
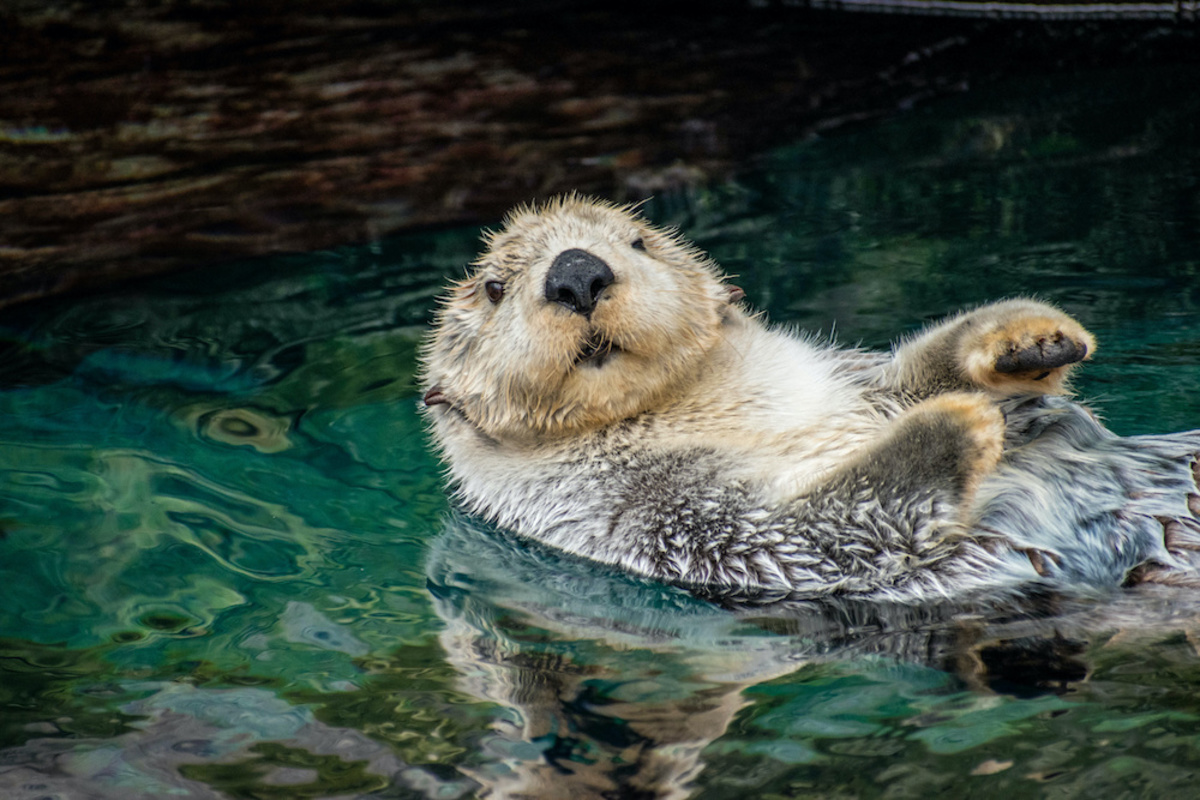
(1022, 346)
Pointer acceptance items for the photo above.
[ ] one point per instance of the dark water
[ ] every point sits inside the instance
(229, 568)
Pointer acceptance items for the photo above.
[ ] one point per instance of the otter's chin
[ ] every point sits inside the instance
(596, 352)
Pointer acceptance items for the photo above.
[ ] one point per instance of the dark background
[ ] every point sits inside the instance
(140, 137)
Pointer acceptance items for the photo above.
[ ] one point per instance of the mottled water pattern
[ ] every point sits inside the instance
(229, 568)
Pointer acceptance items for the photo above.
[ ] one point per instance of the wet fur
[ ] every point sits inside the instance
(672, 434)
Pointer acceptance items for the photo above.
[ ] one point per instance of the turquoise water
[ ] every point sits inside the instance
(229, 567)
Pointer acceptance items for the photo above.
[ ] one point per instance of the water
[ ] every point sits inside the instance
(229, 568)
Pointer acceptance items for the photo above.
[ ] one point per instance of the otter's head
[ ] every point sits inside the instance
(579, 314)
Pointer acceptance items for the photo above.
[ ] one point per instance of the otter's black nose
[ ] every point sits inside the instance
(576, 279)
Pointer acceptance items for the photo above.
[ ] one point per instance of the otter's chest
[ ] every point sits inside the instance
(783, 414)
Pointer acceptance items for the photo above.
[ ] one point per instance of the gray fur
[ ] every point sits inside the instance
(1097, 504)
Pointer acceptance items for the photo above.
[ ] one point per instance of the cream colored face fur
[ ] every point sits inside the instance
(518, 364)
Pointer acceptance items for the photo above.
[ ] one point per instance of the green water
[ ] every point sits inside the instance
(229, 568)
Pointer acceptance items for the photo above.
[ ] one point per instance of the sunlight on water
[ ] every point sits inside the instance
(230, 568)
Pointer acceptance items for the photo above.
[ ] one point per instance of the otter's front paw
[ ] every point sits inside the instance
(1022, 346)
(950, 441)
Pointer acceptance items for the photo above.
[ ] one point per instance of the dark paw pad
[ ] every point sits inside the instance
(1044, 354)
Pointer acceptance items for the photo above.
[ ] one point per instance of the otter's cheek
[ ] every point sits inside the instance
(656, 319)
(636, 311)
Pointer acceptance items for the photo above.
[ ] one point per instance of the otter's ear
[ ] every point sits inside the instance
(733, 295)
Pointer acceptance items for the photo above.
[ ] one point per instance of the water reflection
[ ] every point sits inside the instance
(613, 687)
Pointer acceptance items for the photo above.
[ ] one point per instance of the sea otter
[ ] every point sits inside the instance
(595, 384)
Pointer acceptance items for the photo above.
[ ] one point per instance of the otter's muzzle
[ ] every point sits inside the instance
(577, 279)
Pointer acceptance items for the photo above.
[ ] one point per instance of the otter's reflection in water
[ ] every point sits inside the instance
(612, 687)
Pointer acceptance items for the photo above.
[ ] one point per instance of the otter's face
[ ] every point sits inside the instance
(578, 315)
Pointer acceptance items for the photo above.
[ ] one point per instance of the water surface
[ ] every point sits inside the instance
(229, 567)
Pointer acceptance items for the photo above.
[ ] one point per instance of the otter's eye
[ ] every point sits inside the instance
(495, 290)
(639, 244)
